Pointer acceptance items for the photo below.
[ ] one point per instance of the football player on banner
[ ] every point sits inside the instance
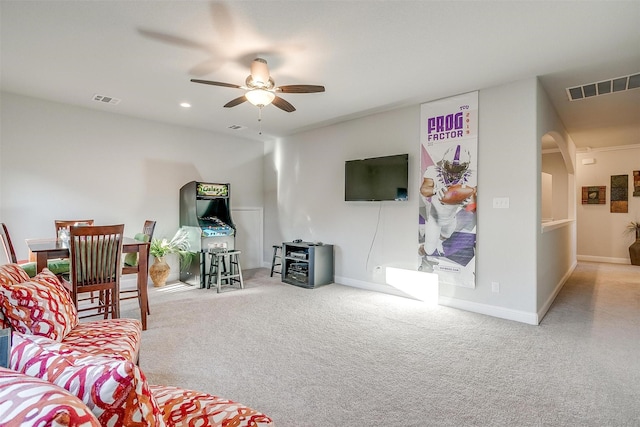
(447, 187)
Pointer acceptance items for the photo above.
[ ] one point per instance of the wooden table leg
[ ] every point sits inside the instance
(41, 261)
(143, 274)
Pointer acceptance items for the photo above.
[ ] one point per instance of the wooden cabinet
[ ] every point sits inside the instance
(307, 264)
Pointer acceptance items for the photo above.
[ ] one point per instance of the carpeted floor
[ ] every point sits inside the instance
(340, 356)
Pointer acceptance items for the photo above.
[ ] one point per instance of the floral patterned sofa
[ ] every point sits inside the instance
(65, 373)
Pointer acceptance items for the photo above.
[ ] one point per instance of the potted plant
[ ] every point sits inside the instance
(159, 248)
(634, 249)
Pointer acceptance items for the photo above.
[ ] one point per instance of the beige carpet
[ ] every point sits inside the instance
(340, 356)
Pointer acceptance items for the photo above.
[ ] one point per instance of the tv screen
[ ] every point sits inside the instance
(377, 178)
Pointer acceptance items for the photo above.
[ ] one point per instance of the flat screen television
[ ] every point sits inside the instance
(377, 178)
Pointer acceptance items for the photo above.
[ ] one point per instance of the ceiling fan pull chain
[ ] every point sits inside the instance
(259, 120)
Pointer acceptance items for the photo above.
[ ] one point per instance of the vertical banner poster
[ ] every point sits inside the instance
(449, 171)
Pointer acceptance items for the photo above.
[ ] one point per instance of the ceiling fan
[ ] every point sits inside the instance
(261, 89)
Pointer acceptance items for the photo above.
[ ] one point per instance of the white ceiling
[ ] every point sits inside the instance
(370, 55)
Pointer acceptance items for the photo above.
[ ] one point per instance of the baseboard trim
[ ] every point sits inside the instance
(547, 305)
(491, 310)
(369, 286)
(609, 260)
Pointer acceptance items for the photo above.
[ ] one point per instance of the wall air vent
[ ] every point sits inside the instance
(604, 87)
(237, 127)
(106, 99)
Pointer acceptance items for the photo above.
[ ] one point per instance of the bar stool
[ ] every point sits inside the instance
(218, 268)
(207, 275)
(276, 256)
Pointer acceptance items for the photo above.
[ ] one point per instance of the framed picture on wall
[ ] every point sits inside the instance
(594, 195)
(619, 193)
(636, 183)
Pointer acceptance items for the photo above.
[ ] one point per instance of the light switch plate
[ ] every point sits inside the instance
(501, 203)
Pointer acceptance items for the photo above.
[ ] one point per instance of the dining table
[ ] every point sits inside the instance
(46, 249)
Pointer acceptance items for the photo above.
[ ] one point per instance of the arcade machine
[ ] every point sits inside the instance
(205, 212)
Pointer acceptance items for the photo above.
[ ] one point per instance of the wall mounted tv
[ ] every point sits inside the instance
(377, 178)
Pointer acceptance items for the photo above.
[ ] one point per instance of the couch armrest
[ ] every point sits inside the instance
(188, 407)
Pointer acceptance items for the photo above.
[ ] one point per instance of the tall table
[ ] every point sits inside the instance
(46, 249)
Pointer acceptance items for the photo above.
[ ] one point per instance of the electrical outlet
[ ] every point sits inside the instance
(495, 287)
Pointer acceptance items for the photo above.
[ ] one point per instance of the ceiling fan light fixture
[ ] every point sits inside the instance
(260, 97)
(259, 71)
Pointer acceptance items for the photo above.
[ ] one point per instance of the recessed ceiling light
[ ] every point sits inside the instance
(185, 105)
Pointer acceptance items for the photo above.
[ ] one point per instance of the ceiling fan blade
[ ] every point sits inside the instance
(239, 100)
(209, 82)
(300, 89)
(283, 105)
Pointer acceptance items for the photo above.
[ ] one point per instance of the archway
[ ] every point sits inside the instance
(557, 179)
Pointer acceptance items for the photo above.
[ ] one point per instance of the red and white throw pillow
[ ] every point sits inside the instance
(12, 273)
(28, 401)
(115, 390)
(39, 306)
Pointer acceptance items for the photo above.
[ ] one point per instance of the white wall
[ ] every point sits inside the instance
(303, 186)
(554, 165)
(304, 198)
(601, 234)
(305, 194)
(60, 161)
(547, 197)
(556, 254)
(509, 158)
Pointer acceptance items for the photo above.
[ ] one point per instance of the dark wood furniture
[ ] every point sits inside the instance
(8, 246)
(53, 248)
(64, 223)
(96, 257)
(276, 261)
(58, 267)
(147, 229)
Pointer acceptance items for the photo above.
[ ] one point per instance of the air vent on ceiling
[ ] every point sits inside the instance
(237, 127)
(604, 87)
(106, 99)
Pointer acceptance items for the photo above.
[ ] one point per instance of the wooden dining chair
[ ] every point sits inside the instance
(66, 223)
(8, 246)
(57, 267)
(60, 224)
(131, 263)
(148, 228)
(96, 254)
